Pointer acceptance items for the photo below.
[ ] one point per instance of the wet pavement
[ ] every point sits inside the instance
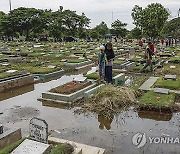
(115, 135)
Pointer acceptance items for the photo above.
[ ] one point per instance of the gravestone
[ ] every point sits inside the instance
(38, 130)
(161, 90)
(172, 77)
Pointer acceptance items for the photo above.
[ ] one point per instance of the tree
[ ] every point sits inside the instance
(136, 33)
(23, 20)
(73, 22)
(151, 19)
(99, 31)
(2, 15)
(172, 28)
(118, 28)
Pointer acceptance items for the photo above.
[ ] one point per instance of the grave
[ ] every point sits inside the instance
(31, 147)
(148, 83)
(119, 79)
(38, 139)
(67, 97)
(91, 91)
(9, 136)
(130, 66)
(38, 130)
(161, 90)
(172, 77)
(16, 81)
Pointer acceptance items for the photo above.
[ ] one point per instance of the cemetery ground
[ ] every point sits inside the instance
(108, 116)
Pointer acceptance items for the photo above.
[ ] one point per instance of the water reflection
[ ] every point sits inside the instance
(105, 122)
(16, 92)
(155, 115)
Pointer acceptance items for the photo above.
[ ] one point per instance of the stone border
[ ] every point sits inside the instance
(85, 149)
(9, 137)
(16, 82)
(66, 98)
(49, 75)
(77, 64)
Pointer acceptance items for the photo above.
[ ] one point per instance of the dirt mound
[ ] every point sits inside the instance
(108, 100)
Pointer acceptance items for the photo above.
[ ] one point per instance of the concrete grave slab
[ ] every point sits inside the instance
(12, 71)
(51, 66)
(161, 90)
(80, 79)
(91, 91)
(148, 83)
(172, 67)
(173, 77)
(119, 79)
(31, 147)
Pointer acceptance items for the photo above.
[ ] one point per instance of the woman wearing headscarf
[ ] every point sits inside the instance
(110, 57)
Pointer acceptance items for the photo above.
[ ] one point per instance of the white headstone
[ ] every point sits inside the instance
(38, 130)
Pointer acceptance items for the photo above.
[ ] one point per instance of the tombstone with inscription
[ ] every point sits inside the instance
(37, 144)
(38, 130)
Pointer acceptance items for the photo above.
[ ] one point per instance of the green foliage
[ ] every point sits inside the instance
(99, 31)
(136, 33)
(118, 28)
(150, 19)
(172, 28)
(157, 100)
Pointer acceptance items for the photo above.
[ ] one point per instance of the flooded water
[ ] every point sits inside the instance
(115, 134)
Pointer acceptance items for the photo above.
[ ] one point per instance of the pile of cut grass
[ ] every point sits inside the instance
(108, 100)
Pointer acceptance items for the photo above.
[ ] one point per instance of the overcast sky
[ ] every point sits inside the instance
(96, 10)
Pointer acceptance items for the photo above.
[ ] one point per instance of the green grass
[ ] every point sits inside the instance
(95, 75)
(169, 84)
(175, 60)
(167, 70)
(76, 60)
(10, 148)
(118, 62)
(5, 75)
(157, 100)
(62, 149)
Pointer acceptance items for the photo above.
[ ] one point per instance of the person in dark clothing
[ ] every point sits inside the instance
(148, 56)
(110, 57)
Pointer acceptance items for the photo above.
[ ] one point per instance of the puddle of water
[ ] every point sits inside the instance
(114, 134)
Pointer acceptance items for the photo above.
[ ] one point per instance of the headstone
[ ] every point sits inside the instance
(172, 66)
(38, 130)
(11, 71)
(80, 79)
(64, 60)
(51, 66)
(1, 128)
(161, 90)
(173, 77)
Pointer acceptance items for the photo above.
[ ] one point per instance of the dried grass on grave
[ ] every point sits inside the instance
(108, 100)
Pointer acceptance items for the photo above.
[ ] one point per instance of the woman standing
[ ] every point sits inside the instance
(110, 57)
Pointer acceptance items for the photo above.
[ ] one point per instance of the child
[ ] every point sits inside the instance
(101, 62)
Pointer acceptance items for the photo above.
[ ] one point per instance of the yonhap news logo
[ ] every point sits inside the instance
(140, 139)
